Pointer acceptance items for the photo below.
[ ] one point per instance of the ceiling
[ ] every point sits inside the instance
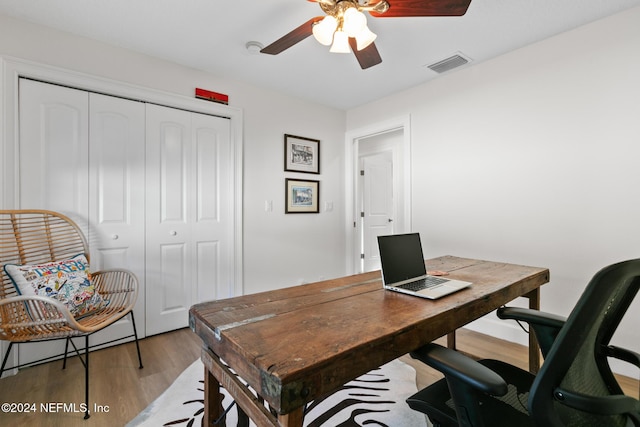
(211, 35)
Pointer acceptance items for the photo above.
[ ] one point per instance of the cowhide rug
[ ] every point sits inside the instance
(374, 399)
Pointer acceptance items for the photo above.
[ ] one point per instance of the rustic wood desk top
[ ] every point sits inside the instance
(296, 344)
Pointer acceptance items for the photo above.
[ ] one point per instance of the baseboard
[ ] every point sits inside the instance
(505, 330)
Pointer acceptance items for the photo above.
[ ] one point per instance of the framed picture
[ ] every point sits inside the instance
(301, 154)
(302, 196)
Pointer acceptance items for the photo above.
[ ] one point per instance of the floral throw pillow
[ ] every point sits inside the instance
(68, 281)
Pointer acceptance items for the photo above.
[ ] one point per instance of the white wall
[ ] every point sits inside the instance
(279, 250)
(535, 156)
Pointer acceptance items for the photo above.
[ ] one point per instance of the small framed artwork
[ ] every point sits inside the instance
(301, 154)
(302, 196)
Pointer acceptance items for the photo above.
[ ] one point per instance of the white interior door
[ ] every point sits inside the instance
(212, 215)
(188, 213)
(388, 182)
(378, 214)
(53, 169)
(169, 274)
(117, 193)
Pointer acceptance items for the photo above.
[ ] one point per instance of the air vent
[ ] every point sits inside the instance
(448, 64)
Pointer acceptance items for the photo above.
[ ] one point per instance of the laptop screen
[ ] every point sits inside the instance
(401, 257)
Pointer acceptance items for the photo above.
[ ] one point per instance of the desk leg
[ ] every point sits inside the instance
(534, 349)
(293, 419)
(212, 404)
(217, 373)
(451, 340)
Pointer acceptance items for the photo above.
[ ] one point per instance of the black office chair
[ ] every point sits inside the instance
(575, 386)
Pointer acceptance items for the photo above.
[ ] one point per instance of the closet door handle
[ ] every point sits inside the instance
(115, 236)
(173, 233)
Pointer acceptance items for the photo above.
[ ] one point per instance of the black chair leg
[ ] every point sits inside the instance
(86, 376)
(243, 419)
(66, 349)
(5, 358)
(135, 334)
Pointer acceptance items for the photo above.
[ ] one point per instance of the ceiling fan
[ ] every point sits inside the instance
(344, 26)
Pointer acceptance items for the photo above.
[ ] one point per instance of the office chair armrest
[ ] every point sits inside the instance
(624, 355)
(532, 316)
(546, 326)
(461, 368)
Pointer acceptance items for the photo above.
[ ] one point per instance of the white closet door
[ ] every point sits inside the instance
(83, 155)
(117, 192)
(168, 252)
(212, 217)
(53, 169)
(188, 224)
(53, 149)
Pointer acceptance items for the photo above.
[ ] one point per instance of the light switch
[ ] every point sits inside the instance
(328, 206)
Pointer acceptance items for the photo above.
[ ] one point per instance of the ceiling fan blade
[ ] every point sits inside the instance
(289, 39)
(402, 8)
(367, 57)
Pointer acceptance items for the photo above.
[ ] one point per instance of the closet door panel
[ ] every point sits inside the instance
(173, 288)
(206, 158)
(53, 170)
(53, 149)
(211, 228)
(209, 270)
(168, 245)
(173, 150)
(117, 190)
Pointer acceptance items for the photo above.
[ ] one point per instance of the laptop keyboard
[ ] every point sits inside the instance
(426, 283)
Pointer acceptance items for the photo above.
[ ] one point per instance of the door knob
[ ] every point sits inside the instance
(173, 233)
(390, 220)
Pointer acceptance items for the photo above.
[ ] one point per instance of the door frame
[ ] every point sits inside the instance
(402, 155)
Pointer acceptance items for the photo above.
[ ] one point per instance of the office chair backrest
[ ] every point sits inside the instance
(577, 362)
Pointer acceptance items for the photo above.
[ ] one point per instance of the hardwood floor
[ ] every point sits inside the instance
(116, 382)
(117, 385)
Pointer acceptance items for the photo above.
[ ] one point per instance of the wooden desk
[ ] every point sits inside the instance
(296, 344)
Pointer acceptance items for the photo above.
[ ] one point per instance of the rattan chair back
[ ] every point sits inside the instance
(36, 237)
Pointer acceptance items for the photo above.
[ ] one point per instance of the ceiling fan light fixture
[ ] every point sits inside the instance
(323, 30)
(340, 43)
(364, 38)
(354, 22)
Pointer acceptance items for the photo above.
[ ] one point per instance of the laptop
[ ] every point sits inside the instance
(404, 270)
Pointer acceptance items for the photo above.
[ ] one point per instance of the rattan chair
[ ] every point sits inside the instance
(29, 237)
